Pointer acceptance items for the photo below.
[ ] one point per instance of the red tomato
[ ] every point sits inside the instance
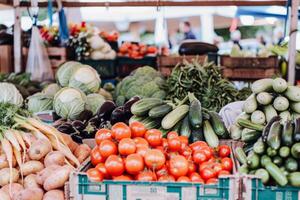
(137, 129)
(94, 175)
(223, 173)
(166, 178)
(120, 130)
(165, 143)
(204, 165)
(195, 177)
(101, 168)
(207, 151)
(142, 150)
(146, 176)
(217, 167)
(134, 163)
(212, 181)
(114, 165)
(227, 164)
(96, 156)
(103, 134)
(139, 141)
(154, 137)
(172, 134)
(154, 159)
(199, 157)
(224, 151)
(183, 179)
(187, 152)
(207, 173)
(192, 167)
(178, 166)
(122, 178)
(107, 148)
(126, 146)
(197, 145)
(174, 144)
(162, 171)
(183, 139)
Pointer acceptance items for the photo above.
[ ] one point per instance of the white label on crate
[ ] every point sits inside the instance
(146, 192)
(207, 191)
(91, 197)
(115, 192)
(188, 193)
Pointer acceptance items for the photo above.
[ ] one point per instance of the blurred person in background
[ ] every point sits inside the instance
(236, 36)
(278, 36)
(185, 27)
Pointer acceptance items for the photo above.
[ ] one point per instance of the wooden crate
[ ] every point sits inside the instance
(57, 56)
(249, 62)
(248, 73)
(167, 63)
(6, 59)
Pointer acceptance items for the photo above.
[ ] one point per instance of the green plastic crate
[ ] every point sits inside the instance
(253, 189)
(82, 189)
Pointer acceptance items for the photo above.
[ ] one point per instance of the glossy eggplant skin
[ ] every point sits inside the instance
(130, 102)
(106, 109)
(85, 115)
(66, 128)
(78, 125)
(118, 115)
(196, 48)
(77, 138)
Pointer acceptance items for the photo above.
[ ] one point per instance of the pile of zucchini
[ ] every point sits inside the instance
(274, 156)
(187, 118)
(269, 98)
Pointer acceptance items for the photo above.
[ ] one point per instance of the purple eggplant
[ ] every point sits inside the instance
(118, 115)
(130, 102)
(106, 109)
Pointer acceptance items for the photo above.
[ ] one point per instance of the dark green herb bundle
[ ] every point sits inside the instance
(205, 81)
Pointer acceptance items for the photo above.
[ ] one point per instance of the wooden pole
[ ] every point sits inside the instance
(292, 41)
(17, 38)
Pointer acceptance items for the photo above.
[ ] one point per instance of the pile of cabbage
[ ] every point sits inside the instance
(76, 90)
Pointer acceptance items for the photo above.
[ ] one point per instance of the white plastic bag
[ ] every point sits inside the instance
(38, 63)
(230, 112)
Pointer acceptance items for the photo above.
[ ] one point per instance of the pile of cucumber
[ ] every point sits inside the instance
(269, 98)
(274, 156)
(187, 118)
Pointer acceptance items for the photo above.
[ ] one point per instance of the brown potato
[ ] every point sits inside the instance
(30, 181)
(32, 167)
(15, 188)
(39, 149)
(4, 162)
(4, 196)
(45, 173)
(54, 195)
(30, 194)
(82, 152)
(54, 158)
(58, 178)
(5, 176)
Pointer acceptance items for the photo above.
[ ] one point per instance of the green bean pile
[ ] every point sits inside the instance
(205, 81)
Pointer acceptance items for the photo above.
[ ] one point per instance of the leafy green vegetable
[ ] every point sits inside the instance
(51, 89)
(40, 102)
(10, 94)
(65, 71)
(8, 112)
(94, 102)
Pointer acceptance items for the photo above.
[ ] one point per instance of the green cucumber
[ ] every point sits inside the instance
(270, 112)
(293, 93)
(264, 160)
(218, 124)
(279, 85)
(262, 85)
(243, 169)
(276, 174)
(240, 155)
(258, 117)
(294, 179)
(141, 107)
(174, 116)
(209, 134)
(150, 123)
(185, 129)
(264, 98)
(271, 152)
(259, 147)
(274, 137)
(164, 131)
(267, 128)
(197, 135)
(249, 135)
(281, 103)
(284, 152)
(177, 127)
(248, 124)
(287, 136)
(296, 135)
(235, 132)
(277, 160)
(295, 115)
(291, 165)
(263, 175)
(295, 106)
(250, 104)
(253, 161)
(285, 116)
(295, 150)
(195, 114)
(135, 118)
(160, 111)
(252, 172)
(243, 115)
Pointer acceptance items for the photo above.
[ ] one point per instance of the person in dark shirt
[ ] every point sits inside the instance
(187, 31)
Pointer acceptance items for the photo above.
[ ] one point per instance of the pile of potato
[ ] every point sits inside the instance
(43, 172)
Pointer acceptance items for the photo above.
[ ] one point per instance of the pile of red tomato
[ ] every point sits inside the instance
(135, 50)
(127, 153)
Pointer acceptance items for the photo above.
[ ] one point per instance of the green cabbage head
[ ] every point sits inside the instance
(86, 79)
(40, 102)
(94, 102)
(69, 103)
(65, 71)
(51, 89)
(10, 94)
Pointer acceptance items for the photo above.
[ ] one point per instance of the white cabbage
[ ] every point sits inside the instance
(51, 89)
(65, 72)
(40, 102)
(10, 94)
(94, 102)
